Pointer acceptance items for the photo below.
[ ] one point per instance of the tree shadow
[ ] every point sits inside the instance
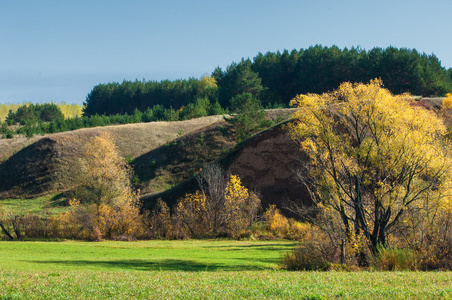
(160, 265)
(265, 247)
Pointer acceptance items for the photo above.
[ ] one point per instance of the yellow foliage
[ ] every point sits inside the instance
(206, 83)
(276, 222)
(70, 110)
(235, 196)
(160, 222)
(97, 221)
(240, 206)
(5, 108)
(237, 212)
(120, 220)
(447, 102)
(192, 213)
(372, 154)
(104, 174)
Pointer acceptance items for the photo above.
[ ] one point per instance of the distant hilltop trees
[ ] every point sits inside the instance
(276, 78)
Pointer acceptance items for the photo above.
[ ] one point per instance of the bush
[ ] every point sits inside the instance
(160, 223)
(437, 252)
(275, 221)
(395, 259)
(309, 256)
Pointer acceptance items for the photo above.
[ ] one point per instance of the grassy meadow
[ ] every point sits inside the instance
(199, 269)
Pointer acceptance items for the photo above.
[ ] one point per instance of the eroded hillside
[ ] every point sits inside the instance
(266, 163)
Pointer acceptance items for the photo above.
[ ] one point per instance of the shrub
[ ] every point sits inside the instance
(160, 223)
(191, 216)
(395, 259)
(240, 207)
(308, 256)
(97, 221)
(276, 222)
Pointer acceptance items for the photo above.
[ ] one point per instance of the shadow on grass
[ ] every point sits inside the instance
(60, 200)
(265, 247)
(161, 265)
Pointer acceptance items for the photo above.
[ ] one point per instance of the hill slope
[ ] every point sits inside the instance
(266, 164)
(44, 166)
(164, 153)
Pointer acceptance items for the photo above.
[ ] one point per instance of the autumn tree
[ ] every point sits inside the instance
(223, 207)
(446, 107)
(240, 207)
(207, 87)
(192, 213)
(104, 175)
(105, 199)
(160, 223)
(372, 157)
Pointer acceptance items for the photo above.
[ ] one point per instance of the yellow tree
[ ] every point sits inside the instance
(192, 213)
(206, 86)
(104, 176)
(447, 103)
(108, 203)
(229, 209)
(372, 156)
(240, 206)
(446, 107)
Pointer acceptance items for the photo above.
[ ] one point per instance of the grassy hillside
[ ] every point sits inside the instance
(164, 154)
(176, 161)
(44, 164)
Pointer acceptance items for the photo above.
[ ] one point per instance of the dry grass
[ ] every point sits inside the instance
(134, 139)
(45, 164)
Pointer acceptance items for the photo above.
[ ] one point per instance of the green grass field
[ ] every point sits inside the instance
(52, 204)
(191, 270)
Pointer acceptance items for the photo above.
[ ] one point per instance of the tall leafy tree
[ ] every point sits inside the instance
(372, 157)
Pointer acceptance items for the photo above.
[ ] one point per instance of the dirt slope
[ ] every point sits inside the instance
(267, 164)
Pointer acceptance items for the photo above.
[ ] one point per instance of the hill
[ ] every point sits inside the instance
(42, 164)
(266, 163)
(163, 153)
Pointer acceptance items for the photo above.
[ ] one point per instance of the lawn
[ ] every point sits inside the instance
(190, 255)
(190, 269)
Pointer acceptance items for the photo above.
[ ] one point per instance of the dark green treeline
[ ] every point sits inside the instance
(275, 78)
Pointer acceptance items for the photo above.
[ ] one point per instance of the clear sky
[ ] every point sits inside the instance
(59, 50)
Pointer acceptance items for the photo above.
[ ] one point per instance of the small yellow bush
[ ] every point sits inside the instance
(447, 103)
(276, 222)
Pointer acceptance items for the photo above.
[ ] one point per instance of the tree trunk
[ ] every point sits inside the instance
(6, 231)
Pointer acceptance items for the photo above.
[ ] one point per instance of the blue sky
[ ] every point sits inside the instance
(59, 50)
